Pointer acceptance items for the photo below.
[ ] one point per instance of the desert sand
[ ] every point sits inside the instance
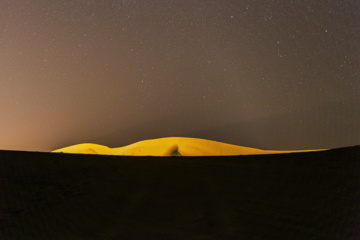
(171, 146)
(311, 195)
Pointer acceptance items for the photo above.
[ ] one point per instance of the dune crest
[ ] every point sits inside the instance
(170, 146)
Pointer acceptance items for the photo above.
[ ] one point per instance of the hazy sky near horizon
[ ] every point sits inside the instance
(266, 74)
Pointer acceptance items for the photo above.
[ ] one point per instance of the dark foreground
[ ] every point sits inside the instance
(288, 196)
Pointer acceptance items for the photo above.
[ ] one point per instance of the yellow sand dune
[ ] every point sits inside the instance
(170, 146)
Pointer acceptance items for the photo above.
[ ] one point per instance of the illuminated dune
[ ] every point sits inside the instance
(171, 146)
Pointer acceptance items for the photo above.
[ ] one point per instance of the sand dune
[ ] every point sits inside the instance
(170, 146)
(296, 196)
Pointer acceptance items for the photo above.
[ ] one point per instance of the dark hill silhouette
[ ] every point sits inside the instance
(311, 195)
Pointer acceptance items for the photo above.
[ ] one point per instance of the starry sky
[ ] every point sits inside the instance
(265, 74)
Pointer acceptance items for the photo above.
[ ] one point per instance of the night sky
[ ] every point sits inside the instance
(265, 74)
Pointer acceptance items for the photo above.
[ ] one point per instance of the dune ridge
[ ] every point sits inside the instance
(172, 146)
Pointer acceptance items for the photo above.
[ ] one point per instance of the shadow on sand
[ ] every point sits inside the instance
(311, 195)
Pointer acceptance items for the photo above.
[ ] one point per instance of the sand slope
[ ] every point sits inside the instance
(294, 196)
(170, 146)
